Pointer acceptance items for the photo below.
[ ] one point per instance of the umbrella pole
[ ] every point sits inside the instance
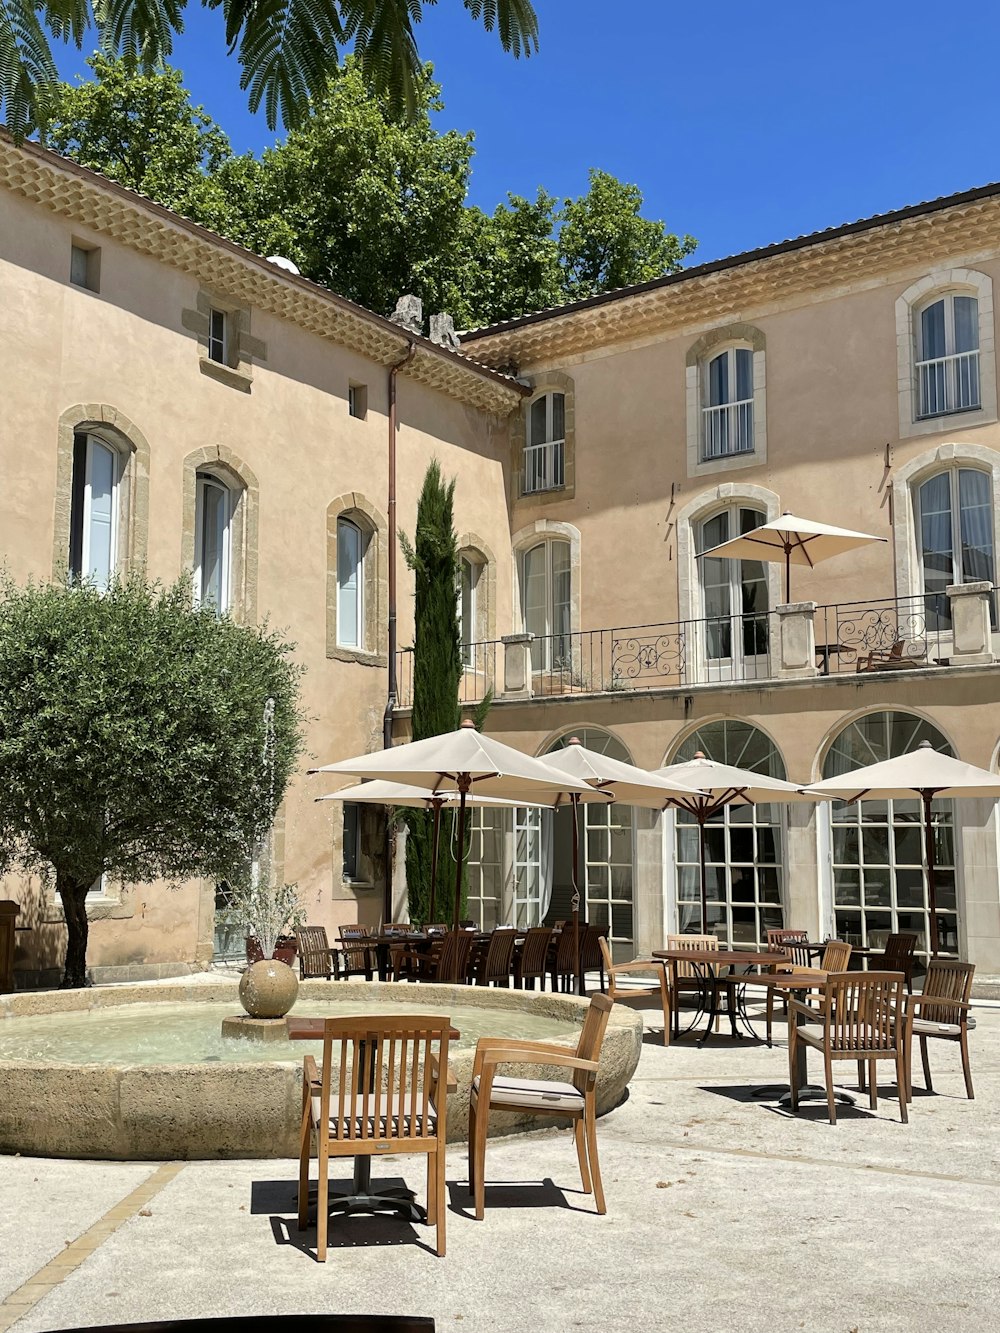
(704, 878)
(434, 859)
(464, 783)
(575, 799)
(788, 573)
(927, 797)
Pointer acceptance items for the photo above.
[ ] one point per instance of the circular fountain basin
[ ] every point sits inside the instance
(143, 1072)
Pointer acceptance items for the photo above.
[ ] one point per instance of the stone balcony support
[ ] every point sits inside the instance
(970, 619)
(796, 655)
(517, 666)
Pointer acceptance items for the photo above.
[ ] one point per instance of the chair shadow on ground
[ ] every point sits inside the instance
(278, 1199)
(543, 1193)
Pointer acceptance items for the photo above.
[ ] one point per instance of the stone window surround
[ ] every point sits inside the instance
(697, 358)
(354, 506)
(222, 463)
(547, 529)
(124, 436)
(940, 283)
(547, 381)
(242, 346)
(472, 547)
(689, 599)
(905, 482)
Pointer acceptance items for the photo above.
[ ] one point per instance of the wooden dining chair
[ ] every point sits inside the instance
(591, 957)
(575, 1100)
(683, 977)
(497, 959)
(356, 953)
(531, 963)
(898, 955)
(316, 958)
(380, 1090)
(942, 1012)
(655, 985)
(836, 955)
(565, 962)
(447, 959)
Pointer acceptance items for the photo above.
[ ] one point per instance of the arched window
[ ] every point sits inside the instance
(469, 571)
(350, 584)
(546, 602)
(727, 404)
(734, 598)
(743, 843)
(544, 453)
(946, 334)
(213, 543)
(94, 512)
(879, 876)
(955, 536)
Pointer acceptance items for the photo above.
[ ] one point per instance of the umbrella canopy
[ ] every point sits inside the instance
(420, 798)
(632, 785)
(721, 785)
(796, 541)
(923, 772)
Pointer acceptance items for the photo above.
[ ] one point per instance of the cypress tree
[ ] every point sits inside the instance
(437, 671)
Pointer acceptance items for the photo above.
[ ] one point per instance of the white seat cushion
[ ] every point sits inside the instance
(924, 1027)
(533, 1094)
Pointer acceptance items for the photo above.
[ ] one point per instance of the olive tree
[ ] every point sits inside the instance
(140, 738)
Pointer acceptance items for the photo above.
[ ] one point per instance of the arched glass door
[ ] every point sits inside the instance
(744, 859)
(734, 599)
(879, 869)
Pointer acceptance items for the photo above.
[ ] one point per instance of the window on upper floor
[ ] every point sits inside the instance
(350, 584)
(218, 336)
(85, 266)
(947, 364)
(546, 602)
(357, 400)
(469, 572)
(954, 523)
(95, 510)
(727, 404)
(213, 543)
(545, 451)
(734, 597)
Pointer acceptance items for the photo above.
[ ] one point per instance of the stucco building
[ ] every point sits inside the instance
(175, 401)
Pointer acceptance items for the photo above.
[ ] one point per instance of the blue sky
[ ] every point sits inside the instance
(741, 123)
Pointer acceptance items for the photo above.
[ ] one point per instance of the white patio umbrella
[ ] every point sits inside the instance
(721, 785)
(397, 793)
(924, 772)
(632, 786)
(459, 760)
(796, 541)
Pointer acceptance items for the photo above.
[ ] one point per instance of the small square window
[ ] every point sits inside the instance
(218, 337)
(357, 400)
(352, 840)
(85, 267)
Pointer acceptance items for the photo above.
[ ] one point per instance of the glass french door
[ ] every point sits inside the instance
(545, 604)
(734, 600)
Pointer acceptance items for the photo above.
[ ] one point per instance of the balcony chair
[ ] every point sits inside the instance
(859, 1016)
(576, 1100)
(356, 953)
(631, 989)
(894, 660)
(388, 1096)
(682, 977)
(316, 958)
(447, 959)
(496, 960)
(531, 963)
(941, 1011)
(836, 955)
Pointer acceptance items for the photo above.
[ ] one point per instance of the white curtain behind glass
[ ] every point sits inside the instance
(349, 584)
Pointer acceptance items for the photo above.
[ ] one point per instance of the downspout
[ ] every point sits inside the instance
(392, 689)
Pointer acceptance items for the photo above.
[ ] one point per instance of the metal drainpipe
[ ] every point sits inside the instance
(391, 693)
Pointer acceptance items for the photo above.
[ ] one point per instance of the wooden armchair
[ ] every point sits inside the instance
(385, 1096)
(942, 1011)
(356, 952)
(836, 956)
(893, 660)
(532, 962)
(497, 960)
(859, 1017)
(575, 1100)
(683, 977)
(447, 959)
(631, 989)
(316, 958)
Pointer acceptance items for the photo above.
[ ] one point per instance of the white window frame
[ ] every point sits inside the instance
(359, 645)
(467, 632)
(542, 656)
(737, 666)
(204, 481)
(97, 441)
(957, 575)
(545, 460)
(699, 357)
(218, 343)
(733, 418)
(950, 365)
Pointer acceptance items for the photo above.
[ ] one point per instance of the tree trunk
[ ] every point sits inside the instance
(73, 893)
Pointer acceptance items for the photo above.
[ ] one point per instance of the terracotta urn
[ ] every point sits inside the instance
(268, 989)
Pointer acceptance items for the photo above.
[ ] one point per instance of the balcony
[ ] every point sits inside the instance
(544, 467)
(727, 430)
(948, 384)
(952, 628)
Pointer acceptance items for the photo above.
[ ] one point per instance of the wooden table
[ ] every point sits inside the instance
(363, 1196)
(704, 962)
(809, 1092)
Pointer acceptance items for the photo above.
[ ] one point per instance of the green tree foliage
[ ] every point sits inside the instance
(140, 129)
(287, 49)
(437, 671)
(132, 739)
(365, 200)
